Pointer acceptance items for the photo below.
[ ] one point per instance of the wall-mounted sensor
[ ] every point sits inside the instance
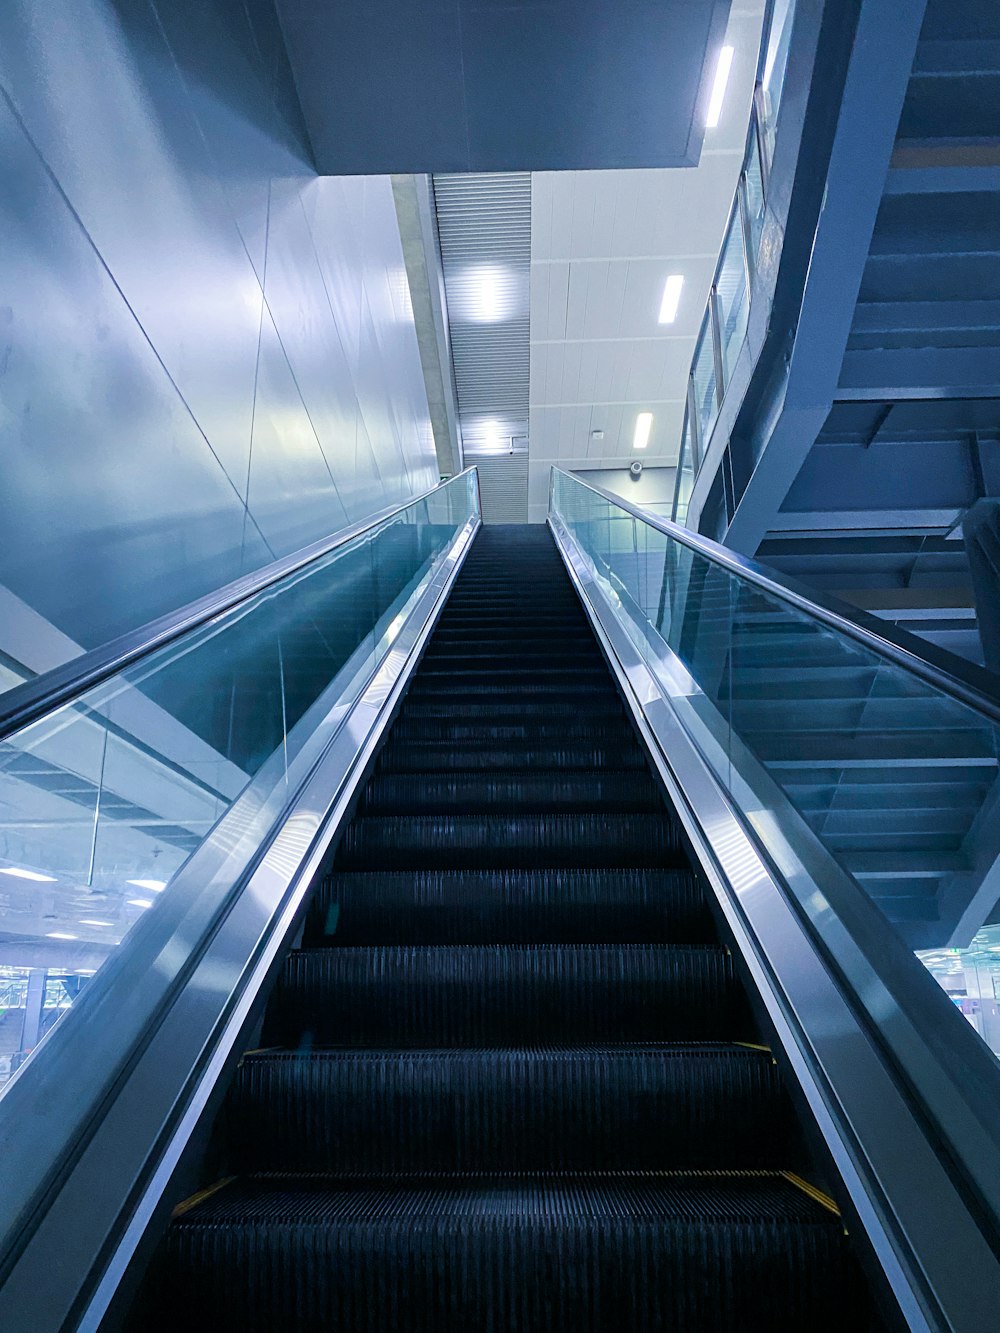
(635, 470)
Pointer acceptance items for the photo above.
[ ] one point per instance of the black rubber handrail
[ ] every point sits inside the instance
(964, 681)
(28, 702)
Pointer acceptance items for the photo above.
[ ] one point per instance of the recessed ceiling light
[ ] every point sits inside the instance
(719, 86)
(643, 425)
(671, 298)
(154, 885)
(88, 922)
(139, 902)
(59, 935)
(18, 873)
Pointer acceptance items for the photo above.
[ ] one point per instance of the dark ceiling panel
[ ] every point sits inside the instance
(527, 85)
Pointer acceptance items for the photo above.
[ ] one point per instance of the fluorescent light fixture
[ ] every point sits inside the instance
(719, 86)
(89, 922)
(643, 425)
(671, 298)
(18, 873)
(488, 294)
(139, 902)
(153, 885)
(85, 971)
(59, 935)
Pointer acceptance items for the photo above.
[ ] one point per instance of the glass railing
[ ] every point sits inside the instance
(119, 808)
(727, 312)
(869, 784)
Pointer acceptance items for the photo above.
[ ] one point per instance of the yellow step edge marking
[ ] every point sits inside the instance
(201, 1196)
(822, 1199)
(752, 1046)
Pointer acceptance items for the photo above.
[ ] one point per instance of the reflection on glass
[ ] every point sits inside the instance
(775, 66)
(685, 474)
(838, 757)
(733, 297)
(104, 800)
(754, 195)
(703, 377)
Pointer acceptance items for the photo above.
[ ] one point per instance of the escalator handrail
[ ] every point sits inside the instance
(28, 702)
(963, 681)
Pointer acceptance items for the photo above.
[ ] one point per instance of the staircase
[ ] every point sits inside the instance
(889, 774)
(510, 1081)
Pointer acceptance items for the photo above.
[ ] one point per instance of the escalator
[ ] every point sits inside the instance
(505, 929)
(510, 1079)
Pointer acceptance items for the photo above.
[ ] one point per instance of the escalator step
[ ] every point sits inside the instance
(452, 756)
(578, 686)
(510, 907)
(488, 995)
(617, 1108)
(456, 842)
(535, 793)
(530, 1254)
(417, 730)
(513, 659)
(598, 706)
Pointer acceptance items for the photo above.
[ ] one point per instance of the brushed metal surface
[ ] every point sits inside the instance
(197, 374)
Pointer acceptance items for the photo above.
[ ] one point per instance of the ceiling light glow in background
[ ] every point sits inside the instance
(488, 294)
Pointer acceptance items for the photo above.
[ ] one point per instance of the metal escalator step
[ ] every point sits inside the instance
(456, 756)
(588, 1108)
(493, 995)
(512, 657)
(418, 730)
(608, 1253)
(510, 907)
(541, 842)
(491, 676)
(579, 693)
(560, 704)
(534, 793)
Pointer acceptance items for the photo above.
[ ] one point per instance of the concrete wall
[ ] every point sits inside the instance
(207, 353)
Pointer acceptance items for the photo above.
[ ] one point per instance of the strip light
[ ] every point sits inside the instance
(671, 298)
(643, 425)
(719, 86)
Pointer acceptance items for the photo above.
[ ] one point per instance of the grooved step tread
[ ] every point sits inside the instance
(448, 756)
(541, 842)
(510, 907)
(611, 1253)
(535, 793)
(502, 995)
(542, 1109)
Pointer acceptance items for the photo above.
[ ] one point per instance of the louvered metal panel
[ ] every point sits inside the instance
(503, 484)
(484, 225)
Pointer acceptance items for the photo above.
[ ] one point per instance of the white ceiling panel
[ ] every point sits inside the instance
(560, 433)
(602, 246)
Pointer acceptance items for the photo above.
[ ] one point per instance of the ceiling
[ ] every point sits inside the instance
(602, 245)
(479, 85)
